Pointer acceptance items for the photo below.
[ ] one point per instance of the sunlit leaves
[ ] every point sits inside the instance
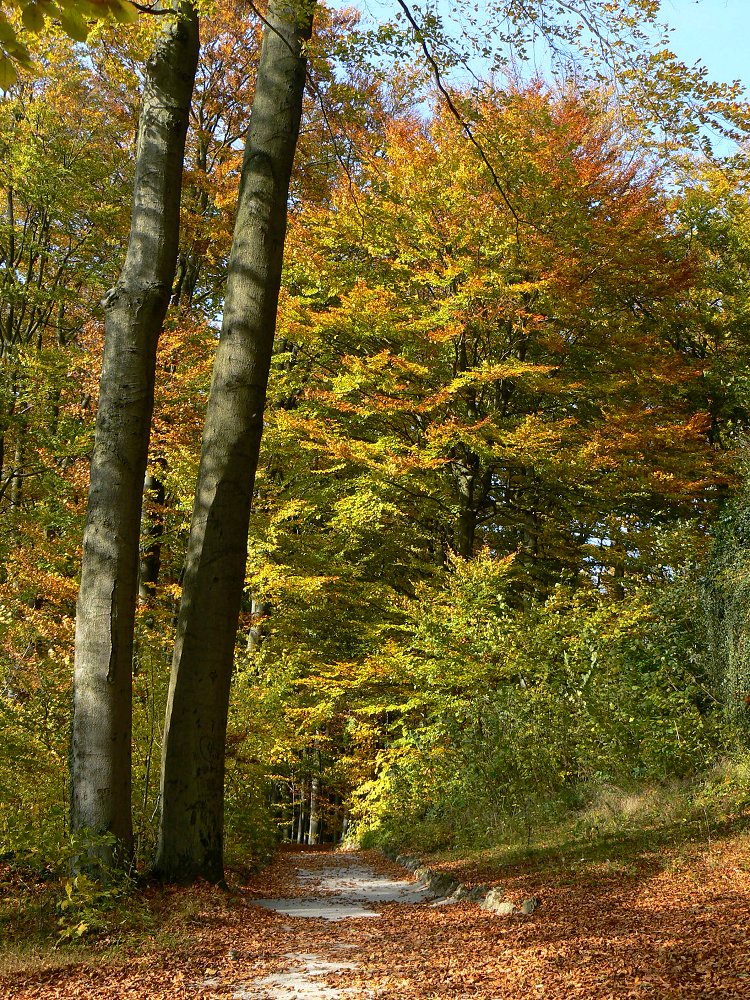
(511, 365)
(64, 184)
(32, 18)
(75, 17)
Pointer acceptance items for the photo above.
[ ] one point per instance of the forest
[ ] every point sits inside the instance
(374, 414)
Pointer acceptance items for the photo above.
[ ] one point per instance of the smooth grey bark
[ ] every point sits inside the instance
(16, 487)
(100, 755)
(259, 612)
(191, 830)
(313, 832)
(301, 817)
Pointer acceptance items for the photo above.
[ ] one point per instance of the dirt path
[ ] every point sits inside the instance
(342, 886)
(671, 931)
(330, 887)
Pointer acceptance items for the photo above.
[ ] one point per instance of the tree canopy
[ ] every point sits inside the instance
(496, 546)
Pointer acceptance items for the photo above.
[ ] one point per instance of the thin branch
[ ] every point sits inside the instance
(465, 127)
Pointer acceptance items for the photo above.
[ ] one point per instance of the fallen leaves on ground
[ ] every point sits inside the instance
(673, 926)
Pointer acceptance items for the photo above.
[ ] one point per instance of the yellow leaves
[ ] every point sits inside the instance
(339, 450)
(533, 439)
(538, 439)
(278, 581)
(383, 368)
(487, 374)
(287, 516)
(380, 383)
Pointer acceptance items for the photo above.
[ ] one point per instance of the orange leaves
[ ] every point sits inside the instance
(672, 925)
(649, 446)
(522, 371)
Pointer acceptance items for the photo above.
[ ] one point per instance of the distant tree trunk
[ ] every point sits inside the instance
(134, 313)
(192, 819)
(16, 486)
(465, 532)
(259, 612)
(314, 831)
(301, 817)
(618, 588)
(293, 816)
(152, 531)
(469, 491)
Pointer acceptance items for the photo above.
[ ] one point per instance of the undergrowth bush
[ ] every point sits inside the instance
(726, 597)
(513, 711)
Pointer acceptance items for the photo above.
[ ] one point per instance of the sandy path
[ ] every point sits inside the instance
(331, 887)
(343, 886)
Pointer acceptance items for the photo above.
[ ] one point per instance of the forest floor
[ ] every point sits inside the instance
(665, 917)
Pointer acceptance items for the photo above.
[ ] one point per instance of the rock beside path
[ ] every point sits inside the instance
(449, 890)
(496, 902)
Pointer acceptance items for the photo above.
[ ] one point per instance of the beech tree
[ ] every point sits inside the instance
(134, 313)
(425, 344)
(192, 786)
(488, 384)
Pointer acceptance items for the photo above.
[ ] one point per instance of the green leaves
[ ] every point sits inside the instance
(507, 708)
(75, 17)
(74, 25)
(32, 18)
(13, 53)
(8, 74)
(124, 12)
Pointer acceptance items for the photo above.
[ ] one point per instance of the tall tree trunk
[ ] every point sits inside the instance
(192, 819)
(134, 313)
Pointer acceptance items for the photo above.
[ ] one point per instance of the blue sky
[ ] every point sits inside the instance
(716, 32)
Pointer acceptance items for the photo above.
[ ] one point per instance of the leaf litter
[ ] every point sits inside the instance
(675, 926)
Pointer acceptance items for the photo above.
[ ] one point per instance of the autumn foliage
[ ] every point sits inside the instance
(506, 413)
